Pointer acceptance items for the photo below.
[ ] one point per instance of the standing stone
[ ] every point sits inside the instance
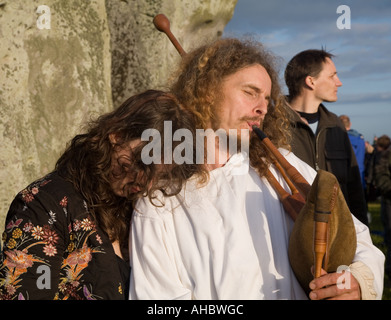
(78, 59)
(52, 80)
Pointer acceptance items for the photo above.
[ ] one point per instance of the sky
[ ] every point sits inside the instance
(362, 52)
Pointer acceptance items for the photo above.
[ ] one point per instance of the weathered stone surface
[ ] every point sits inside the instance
(143, 57)
(95, 54)
(51, 81)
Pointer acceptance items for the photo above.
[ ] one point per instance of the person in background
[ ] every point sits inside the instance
(228, 239)
(318, 136)
(383, 186)
(66, 234)
(358, 144)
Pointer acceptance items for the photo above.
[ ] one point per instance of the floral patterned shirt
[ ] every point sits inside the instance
(52, 249)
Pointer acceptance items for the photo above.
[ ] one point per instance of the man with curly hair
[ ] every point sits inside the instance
(229, 239)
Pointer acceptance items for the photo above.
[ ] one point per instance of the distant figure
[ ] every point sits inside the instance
(358, 144)
(383, 185)
(370, 187)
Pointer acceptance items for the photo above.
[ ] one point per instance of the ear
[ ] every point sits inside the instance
(309, 81)
(113, 138)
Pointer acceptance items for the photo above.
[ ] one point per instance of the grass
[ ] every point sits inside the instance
(376, 229)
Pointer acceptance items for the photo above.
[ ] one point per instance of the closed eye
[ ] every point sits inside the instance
(251, 93)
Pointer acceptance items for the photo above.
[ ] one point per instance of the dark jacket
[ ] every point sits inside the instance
(330, 149)
(383, 174)
(54, 250)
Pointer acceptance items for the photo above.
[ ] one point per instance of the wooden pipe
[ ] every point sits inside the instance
(322, 215)
(320, 245)
(162, 23)
(294, 202)
(301, 184)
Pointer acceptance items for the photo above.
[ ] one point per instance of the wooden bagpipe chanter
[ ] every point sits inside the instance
(323, 235)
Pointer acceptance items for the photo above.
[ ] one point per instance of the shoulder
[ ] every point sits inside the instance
(47, 186)
(292, 115)
(193, 194)
(386, 154)
(47, 197)
(331, 122)
(153, 207)
(40, 192)
(306, 170)
(331, 117)
(354, 134)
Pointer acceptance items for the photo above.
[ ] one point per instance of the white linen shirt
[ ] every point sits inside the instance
(226, 240)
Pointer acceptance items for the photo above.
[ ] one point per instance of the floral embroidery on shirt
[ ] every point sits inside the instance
(20, 237)
(77, 260)
(33, 189)
(17, 261)
(53, 228)
(63, 204)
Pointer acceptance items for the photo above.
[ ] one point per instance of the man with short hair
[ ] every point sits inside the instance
(318, 136)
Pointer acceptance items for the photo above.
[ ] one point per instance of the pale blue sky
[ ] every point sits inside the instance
(363, 52)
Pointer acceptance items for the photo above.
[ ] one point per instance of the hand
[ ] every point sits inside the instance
(335, 286)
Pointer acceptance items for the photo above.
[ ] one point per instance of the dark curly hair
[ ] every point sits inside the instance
(87, 161)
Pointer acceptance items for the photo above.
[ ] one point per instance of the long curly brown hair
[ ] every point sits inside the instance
(198, 85)
(87, 161)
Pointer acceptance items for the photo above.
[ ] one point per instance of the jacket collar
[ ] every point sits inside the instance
(325, 117)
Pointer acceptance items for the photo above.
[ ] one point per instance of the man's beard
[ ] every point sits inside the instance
(234, 138)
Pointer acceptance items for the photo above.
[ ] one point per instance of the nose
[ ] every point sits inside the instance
(135, 180)
(338, 83)
(260, 108)
(136, 176)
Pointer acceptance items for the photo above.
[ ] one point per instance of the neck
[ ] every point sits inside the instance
(305, 103)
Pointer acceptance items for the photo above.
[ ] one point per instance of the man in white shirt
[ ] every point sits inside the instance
(229, 239)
